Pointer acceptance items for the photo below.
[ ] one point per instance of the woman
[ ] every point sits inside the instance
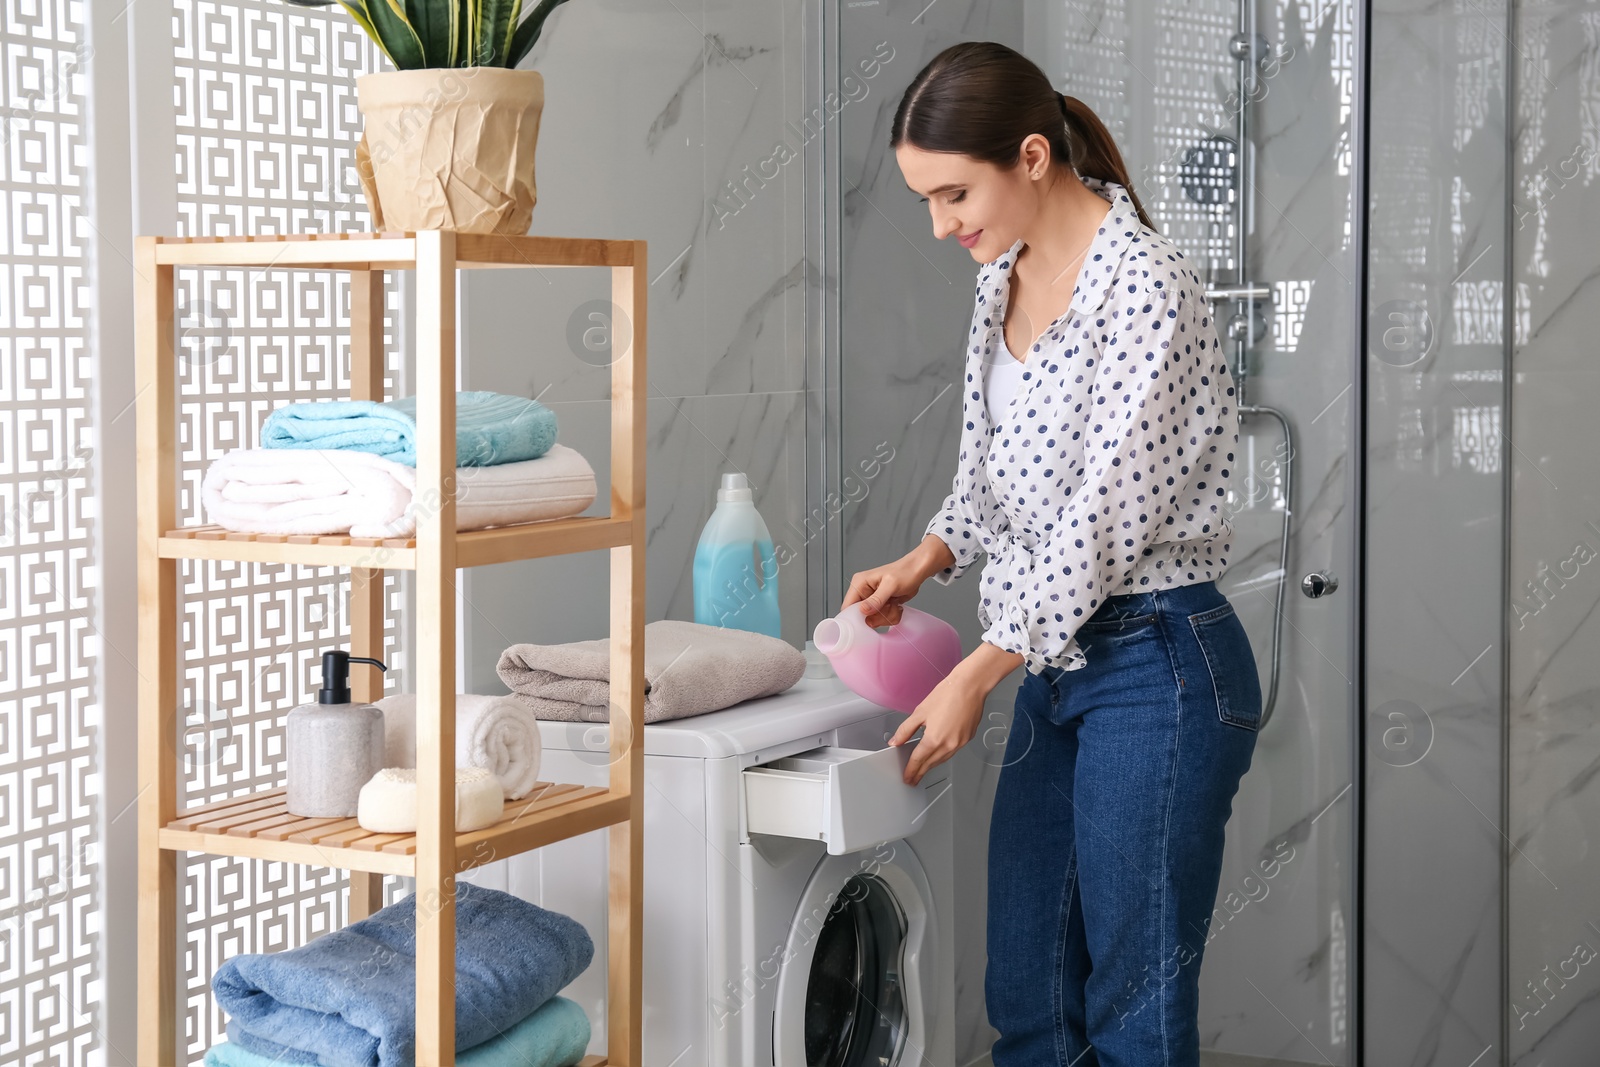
(1099, 432)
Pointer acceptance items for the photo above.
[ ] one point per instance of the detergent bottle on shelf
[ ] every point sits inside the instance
(895, 670)
(735, 566)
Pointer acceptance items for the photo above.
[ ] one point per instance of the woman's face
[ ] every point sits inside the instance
(978, 204)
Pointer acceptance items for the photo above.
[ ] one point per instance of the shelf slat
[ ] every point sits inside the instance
(474, 548)
(260, 826)
(388, 251)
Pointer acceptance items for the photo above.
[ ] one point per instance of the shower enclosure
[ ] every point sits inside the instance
(1341, 178)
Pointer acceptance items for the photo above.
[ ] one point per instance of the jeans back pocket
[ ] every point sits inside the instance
(1226, 648)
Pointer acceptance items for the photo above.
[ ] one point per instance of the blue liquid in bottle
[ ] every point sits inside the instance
(735, 565)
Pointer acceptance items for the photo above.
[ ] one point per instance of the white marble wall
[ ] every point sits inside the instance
(651, 109)
(1434, 513)
(1553, 961)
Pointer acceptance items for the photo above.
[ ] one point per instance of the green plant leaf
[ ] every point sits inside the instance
(472, 15)
(447, 33)
(499, 23)
(396, 34)
(528, 31)
(435, 25)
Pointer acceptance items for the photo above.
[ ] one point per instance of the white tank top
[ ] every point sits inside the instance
(1001, 379)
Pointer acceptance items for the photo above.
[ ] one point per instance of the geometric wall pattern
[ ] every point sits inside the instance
(51, 997)
(266, 131)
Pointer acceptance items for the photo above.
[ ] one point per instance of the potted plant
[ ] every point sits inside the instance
(449, 134)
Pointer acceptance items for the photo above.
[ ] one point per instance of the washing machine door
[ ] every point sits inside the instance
(860, 964)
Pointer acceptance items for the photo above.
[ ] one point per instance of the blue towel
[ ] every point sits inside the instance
(555, 1035)
(348, 999)
(491, 428)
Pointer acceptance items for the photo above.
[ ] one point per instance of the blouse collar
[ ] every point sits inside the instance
(1099, 270)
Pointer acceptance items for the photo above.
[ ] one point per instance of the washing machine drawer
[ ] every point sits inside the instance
(850, 798)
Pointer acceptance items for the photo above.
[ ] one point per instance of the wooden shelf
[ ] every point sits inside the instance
(387, 251)
(474, 548)
(260, 827)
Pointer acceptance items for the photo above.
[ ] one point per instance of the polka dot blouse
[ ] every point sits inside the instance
(1108, 471)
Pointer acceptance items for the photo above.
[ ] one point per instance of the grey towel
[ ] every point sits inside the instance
(689, 669)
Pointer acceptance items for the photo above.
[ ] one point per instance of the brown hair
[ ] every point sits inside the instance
(981, 99)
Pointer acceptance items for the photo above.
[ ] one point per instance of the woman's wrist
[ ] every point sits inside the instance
(931, 556)
(987, 666)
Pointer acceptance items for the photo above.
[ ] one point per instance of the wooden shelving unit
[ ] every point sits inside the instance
(258, 826)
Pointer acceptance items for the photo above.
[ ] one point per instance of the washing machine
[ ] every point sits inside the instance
(797, 893)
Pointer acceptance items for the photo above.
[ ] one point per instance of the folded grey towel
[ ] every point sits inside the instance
(689, 669)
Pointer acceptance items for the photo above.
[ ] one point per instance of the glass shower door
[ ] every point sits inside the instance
(1269, 229)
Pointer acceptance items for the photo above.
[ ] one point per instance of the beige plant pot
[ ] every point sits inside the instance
(450, 148)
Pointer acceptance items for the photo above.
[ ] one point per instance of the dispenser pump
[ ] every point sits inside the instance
(336, 675)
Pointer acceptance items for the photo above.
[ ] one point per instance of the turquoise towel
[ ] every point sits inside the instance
(491, 428)
(555, 1035)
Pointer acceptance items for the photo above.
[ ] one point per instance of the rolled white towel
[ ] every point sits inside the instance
(497, 733)
(388, 802)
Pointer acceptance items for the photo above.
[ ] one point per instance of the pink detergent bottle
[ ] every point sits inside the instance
(894, 670)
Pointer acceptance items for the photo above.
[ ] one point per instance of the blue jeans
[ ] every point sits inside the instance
(1105, 847)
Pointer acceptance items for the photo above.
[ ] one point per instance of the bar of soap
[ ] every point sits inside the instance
(388, 802)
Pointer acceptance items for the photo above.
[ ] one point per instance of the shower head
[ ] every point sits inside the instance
(1210, 171)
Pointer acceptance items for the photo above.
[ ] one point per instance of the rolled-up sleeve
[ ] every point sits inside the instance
(956, 526)
(1154, 456)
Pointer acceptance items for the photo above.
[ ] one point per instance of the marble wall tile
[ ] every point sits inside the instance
(1553, 962)
(1432, 852)
(701, 98)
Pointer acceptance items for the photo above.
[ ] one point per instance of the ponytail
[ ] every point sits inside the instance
(1095, 152)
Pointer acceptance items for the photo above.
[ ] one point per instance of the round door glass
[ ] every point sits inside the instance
(855, 1000)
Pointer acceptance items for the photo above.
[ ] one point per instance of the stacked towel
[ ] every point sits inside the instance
(496, 733)
(555, 1035)
(263, 490)
(333, 491)
(348, 999)
(689, 668)
(491, 428)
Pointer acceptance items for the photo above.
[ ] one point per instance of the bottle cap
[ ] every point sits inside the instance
(735, 486)
(336, 675)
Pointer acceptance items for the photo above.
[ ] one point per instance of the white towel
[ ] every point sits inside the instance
(334, 491)
(496, 733)
(689, 668)
(309, 491)
(387, 804)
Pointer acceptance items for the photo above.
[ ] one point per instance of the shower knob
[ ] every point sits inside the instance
(1243, 46)
(1318, 584)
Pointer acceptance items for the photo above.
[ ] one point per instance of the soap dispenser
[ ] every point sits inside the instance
(735, 567)
(333, 747)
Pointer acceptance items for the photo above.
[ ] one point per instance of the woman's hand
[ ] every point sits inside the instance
(882, 590)
(948, 717)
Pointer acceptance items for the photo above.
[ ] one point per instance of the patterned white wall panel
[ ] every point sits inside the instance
(266, 130)
(50, 706)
